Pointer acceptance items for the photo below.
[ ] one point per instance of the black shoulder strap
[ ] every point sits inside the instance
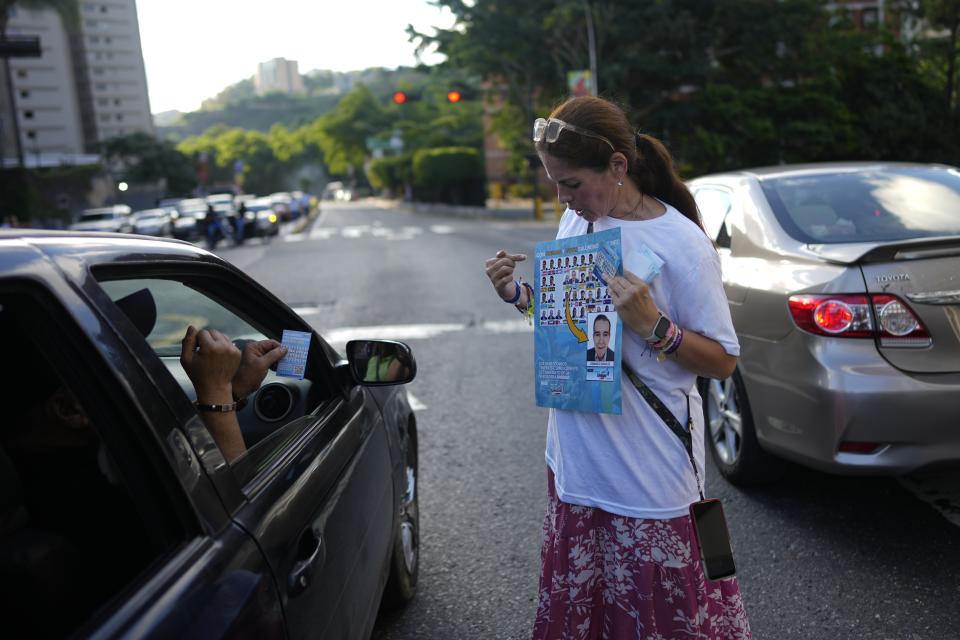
(665, 414)
(685, 435)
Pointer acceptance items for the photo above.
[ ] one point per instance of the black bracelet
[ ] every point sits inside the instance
(240, 402)
(216, 408)
(516, 297)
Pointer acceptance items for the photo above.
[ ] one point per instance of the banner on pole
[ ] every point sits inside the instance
(581, 83)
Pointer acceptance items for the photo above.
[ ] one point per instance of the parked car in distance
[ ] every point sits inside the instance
(169, 203)
(153, 222)
(190, 211)
(337, 191)
(843, 288)
(262, 219)
(116, 218)
(281, 203)
(121, 515)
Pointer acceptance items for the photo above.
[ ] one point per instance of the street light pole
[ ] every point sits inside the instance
(15, 124)
(592, 45)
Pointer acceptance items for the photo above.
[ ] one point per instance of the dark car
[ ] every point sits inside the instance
(120, 516)
(842, 285)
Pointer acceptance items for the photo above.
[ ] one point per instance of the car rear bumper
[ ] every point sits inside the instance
(810, 394)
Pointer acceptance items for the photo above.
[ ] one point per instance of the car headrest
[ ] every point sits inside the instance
(141, 308)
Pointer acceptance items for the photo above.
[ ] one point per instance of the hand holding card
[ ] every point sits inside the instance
(643, 263)
(294, 364)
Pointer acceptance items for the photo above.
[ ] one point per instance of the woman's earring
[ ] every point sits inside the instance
(620, 184)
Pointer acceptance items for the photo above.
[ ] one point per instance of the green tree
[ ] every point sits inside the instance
(342, 134)
(236, 92)
(942, 51)
(143, 159)
(449, 174)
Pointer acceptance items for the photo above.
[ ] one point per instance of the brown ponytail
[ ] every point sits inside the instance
(655, 174)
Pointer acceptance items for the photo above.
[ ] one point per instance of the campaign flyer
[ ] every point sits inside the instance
(577, 332)
(294, 364)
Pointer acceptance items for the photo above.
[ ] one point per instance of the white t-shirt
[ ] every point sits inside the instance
(632, 464)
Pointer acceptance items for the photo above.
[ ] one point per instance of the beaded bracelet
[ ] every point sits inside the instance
(673, 339)
(676, 343)
(531, 303)
(516, 296)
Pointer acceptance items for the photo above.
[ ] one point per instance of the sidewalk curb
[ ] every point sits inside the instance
(304, 221)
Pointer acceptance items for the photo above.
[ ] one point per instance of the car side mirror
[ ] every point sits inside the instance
(375, 363)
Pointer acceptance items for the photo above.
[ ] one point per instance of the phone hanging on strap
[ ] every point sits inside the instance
(709, 523)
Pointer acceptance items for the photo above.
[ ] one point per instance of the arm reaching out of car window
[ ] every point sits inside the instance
(257, 357)
(211, 362)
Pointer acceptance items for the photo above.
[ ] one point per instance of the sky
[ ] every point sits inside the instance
(193, 49)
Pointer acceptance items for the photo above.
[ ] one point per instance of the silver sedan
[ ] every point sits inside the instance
(844, 285)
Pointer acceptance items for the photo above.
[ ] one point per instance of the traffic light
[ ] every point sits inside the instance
(454, 95)
(399, 97)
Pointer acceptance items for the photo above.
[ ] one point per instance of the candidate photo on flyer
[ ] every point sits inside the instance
(601, 337)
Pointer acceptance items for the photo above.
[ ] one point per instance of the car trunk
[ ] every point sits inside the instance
(926, 277)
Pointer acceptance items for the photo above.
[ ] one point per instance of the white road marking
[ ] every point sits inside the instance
(358, 231)
(508, 326)
(340, 336)
(415, 403)
(322, 233)
(306, 311)
(390, 332)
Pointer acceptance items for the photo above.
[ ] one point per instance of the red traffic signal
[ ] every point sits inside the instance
(399, 97)
(454, 96)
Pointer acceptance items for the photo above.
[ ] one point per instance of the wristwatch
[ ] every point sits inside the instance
(659, 329)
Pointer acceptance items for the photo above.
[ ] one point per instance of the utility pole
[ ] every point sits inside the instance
(592, 45)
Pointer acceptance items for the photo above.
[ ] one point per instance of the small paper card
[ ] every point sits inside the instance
(294, 363)
(643, 263)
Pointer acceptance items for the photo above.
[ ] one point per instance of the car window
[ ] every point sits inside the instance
(714, 205)
(870, 205)
(273, 416)
(179, 306)
(72, 534)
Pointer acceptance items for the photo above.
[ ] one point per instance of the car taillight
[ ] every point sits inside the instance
(852, 316)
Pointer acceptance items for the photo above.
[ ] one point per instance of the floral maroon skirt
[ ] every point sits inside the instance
(615, 577)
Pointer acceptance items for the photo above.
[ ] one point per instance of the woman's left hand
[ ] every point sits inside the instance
(210, 361)
(633, 302)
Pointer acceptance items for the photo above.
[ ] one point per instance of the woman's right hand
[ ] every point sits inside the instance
(500, 271)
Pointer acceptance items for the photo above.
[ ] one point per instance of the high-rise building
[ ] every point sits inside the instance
(88, 85)
(111, 79)
(278, 74)
(44, 91)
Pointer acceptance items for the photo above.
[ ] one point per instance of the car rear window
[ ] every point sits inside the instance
(867, 205)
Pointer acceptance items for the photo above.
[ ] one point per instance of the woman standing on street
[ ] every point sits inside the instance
(619, 557)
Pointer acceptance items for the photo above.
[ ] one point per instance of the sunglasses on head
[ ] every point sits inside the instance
(549, 129)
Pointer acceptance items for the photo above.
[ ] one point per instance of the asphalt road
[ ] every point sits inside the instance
(819, 557)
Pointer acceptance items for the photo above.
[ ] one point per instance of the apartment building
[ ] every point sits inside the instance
(88, 85)
(278, 74)
(45, 92)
